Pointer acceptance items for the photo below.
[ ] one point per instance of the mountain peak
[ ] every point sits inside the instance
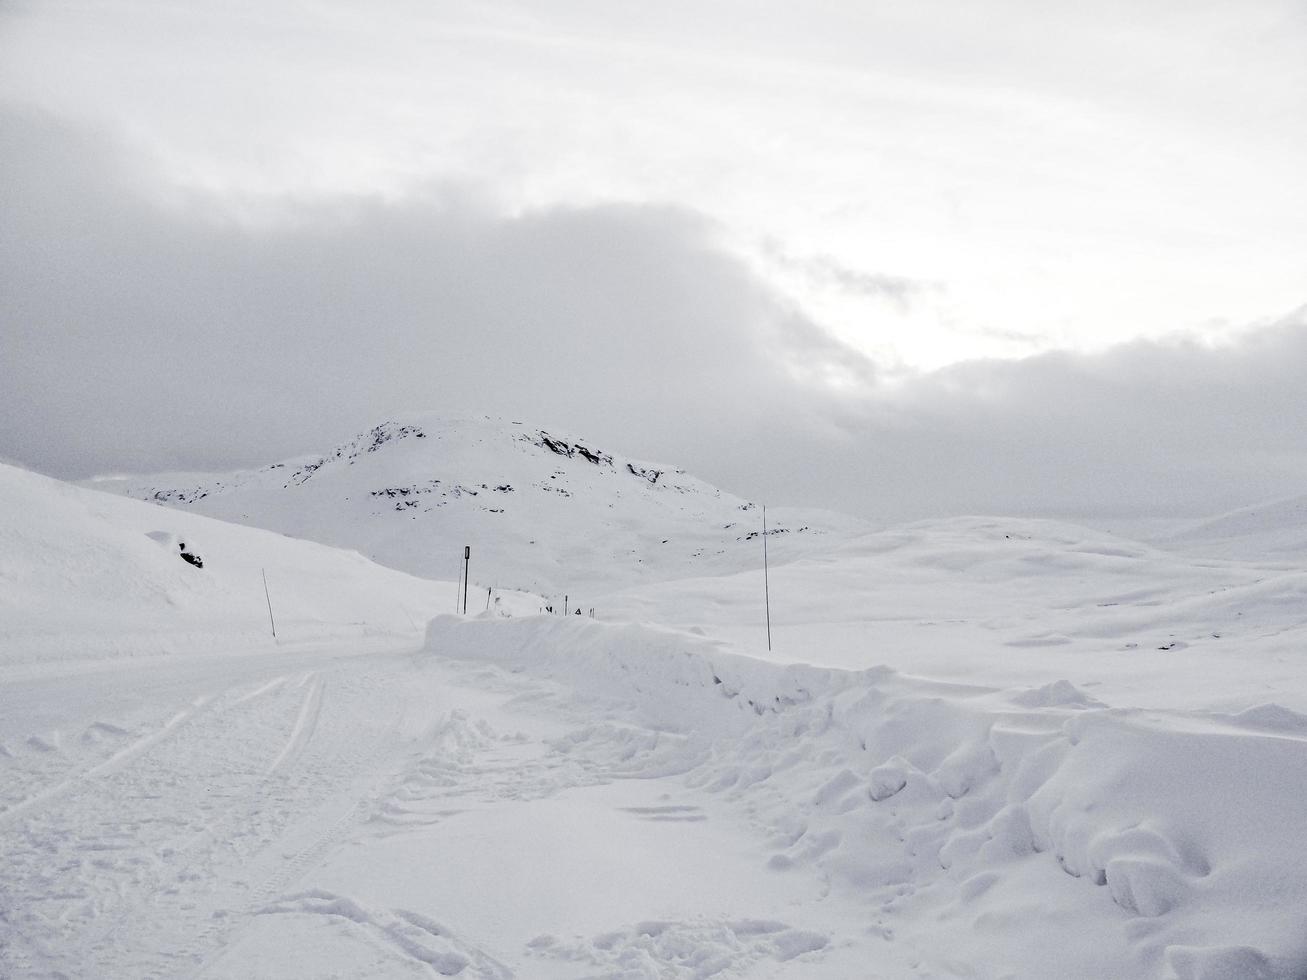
(542, 510)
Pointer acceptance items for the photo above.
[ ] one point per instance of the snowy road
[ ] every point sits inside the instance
(133, 837)
(308, 814)
(553, 797)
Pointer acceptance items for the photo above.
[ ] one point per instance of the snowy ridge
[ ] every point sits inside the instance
(543, 511)
(1156, 831)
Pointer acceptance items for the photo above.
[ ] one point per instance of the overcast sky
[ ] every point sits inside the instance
(897, 258)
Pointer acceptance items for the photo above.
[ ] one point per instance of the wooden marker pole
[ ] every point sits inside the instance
(268, 597)
(467, 560)
(766, 579)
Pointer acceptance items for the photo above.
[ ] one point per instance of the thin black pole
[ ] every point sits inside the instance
(467, 560)
(766, 578)
(269, 599)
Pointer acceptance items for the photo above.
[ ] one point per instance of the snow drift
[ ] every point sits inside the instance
(1144, 843)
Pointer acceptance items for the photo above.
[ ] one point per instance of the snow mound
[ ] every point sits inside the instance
(1060, 693)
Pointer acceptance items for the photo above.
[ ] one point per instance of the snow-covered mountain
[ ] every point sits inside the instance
(542, 511)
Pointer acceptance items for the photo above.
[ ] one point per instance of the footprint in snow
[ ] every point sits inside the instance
(410, 935)
(668, 814)
(683, 950)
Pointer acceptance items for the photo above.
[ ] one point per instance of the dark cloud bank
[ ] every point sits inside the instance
(143, 330)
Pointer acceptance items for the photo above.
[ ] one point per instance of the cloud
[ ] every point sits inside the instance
(1169, 428)
(827, 272)
(1020, 154)
(145, 329)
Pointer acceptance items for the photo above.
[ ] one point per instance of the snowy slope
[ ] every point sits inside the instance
(88, 574)
(1274, 531)
(542, 511)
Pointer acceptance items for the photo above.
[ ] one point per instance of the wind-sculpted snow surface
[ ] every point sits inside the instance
(1026, 833)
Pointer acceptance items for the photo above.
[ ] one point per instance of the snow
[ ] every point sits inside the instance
(978, 747)
(1016, 602)
(90, 576)
(542, 511)
(1276, 530)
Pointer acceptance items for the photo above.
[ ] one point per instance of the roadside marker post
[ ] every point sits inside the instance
(268, 598)
(467, 560)
(766, 578)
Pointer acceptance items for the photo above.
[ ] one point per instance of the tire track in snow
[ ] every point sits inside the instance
(112, 764)
(132, 750)
(153, 867)
(324, 826)
(267, 688)
(306, 723)
(211, 926)
(360, 807)
(143, 860)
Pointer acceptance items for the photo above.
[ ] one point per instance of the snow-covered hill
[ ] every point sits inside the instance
(541, 511)
(87, 574)
(1011, 601)
(1273, 531)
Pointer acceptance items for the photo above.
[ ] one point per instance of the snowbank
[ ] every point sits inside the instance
(1130, 842)
(664, 678)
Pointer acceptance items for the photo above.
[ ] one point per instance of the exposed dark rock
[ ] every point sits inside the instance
(181, 496)
(369, 442)
(645, 474)
(555, 446)
(567, 449)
